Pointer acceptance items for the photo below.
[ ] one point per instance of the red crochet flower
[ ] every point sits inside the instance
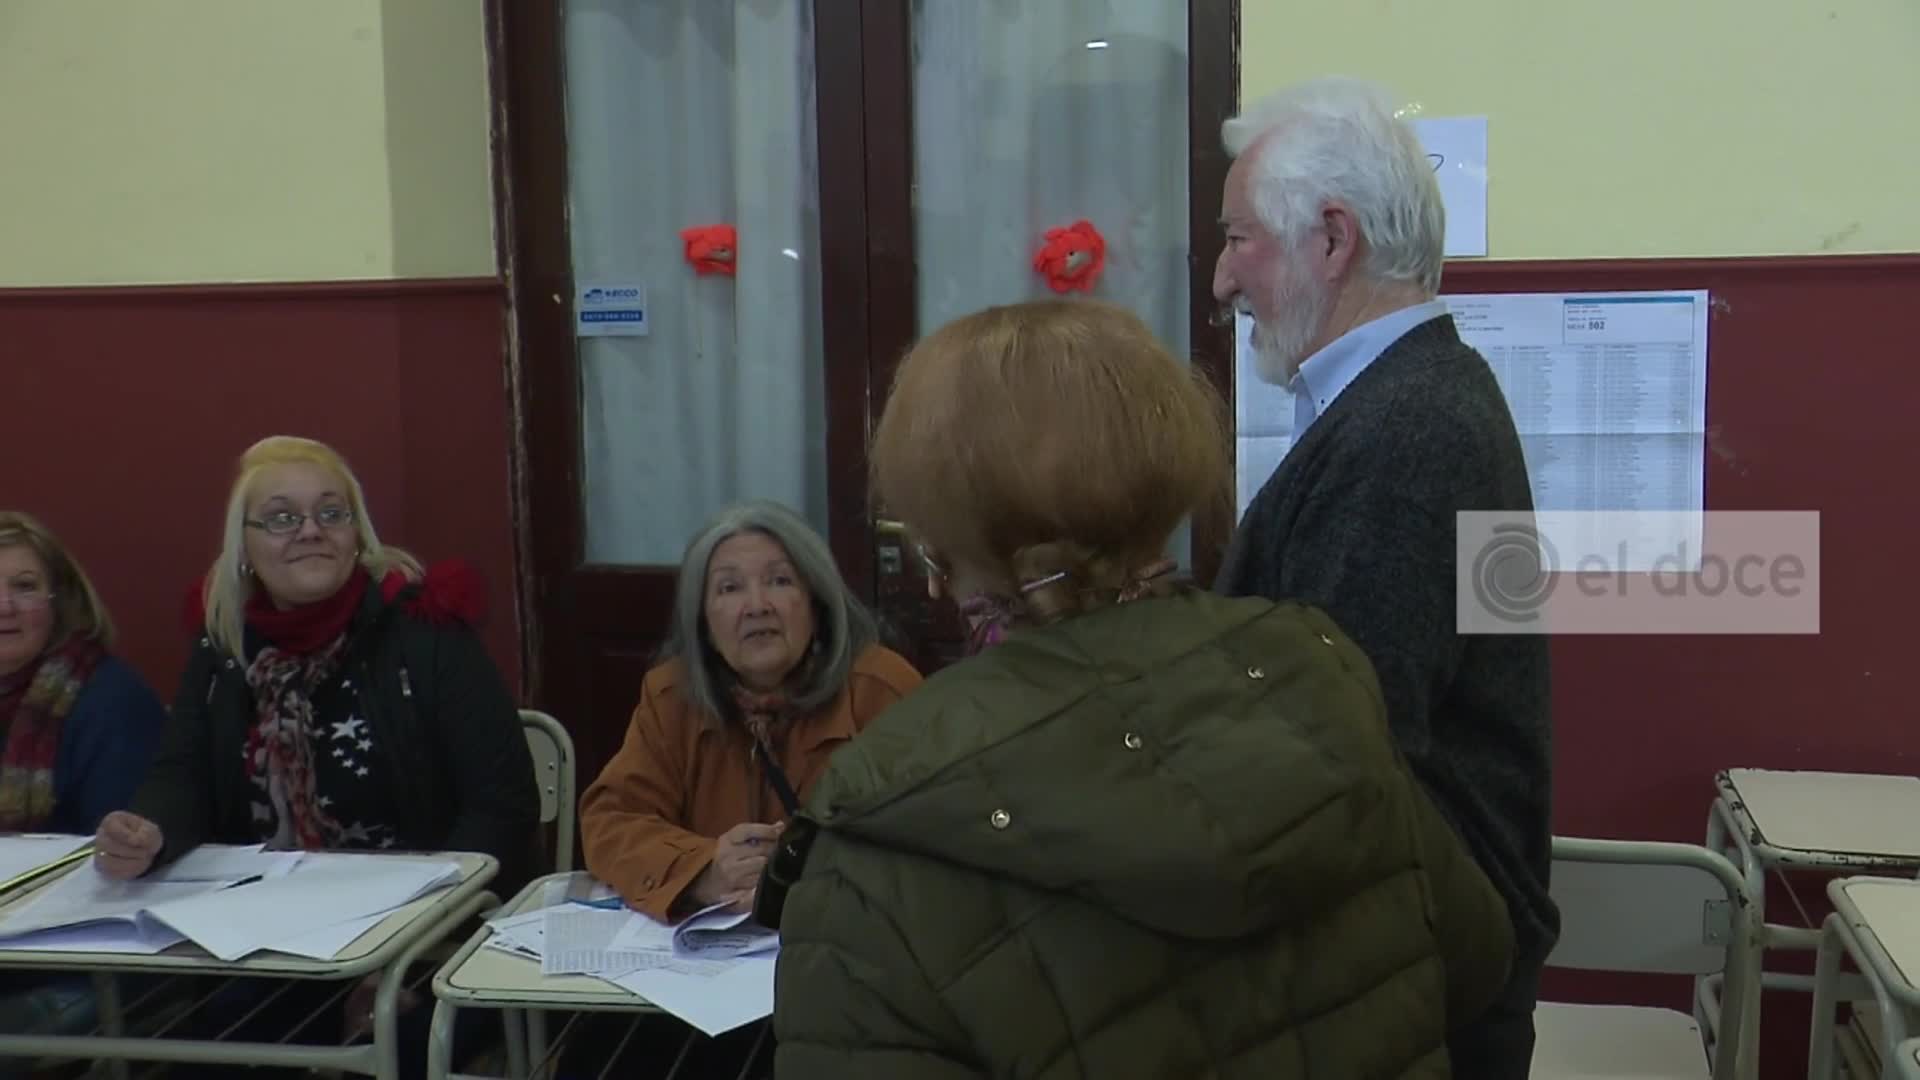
(710, 249)
(1072, 257)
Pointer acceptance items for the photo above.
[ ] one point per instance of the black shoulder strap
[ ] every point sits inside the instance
(776, 778)
(783, 870)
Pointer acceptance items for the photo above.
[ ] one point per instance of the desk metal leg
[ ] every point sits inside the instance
(537, 1040)
(440, 1041)
(386, 1000)
(113, 1016)
(513, 1027)
(1826, 973)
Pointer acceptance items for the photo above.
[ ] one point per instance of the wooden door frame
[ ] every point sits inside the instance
(863, 72)
(871, 296)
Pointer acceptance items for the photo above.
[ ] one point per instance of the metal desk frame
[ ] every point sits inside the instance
(391, 946)
(1849, 933)
(476, 977)
(1733, 830)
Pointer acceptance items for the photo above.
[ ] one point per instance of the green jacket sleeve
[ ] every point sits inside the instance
(1470, 921)
(850, 998)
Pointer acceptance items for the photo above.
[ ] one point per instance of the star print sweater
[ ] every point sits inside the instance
(416, 741)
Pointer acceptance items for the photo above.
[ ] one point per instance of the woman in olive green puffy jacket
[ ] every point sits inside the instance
(1146, 831)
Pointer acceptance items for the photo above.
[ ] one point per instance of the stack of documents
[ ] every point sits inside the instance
(714, 970)
(230, 901)
(25, 857)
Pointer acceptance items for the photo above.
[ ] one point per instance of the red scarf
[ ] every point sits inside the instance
(761, 711)
(303, 651)
(278, 749)
(33, 706)
(309, 627)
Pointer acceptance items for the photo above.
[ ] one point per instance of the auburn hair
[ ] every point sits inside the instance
(77, 608)
(1050, 438)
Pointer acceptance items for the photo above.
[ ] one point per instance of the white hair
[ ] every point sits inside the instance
(1344, 142)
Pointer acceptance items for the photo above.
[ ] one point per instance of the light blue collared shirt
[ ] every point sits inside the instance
(1324, 374)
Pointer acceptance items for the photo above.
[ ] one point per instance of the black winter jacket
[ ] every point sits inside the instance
(450, 750)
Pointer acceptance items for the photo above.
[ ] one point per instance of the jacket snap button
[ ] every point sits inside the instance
(1132, 741)
(1256, 673)
(1000, 819)
(1325, 640)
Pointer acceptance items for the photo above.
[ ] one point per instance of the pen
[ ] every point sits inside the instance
(245, 881)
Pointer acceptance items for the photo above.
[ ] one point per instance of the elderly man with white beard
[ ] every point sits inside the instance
(1334, 243)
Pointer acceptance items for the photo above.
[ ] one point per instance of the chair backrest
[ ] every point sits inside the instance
(1908, 1059)
(553, 773)
(1650, 906)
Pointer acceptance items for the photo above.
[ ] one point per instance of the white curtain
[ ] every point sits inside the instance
(682, 113)
(1034, 114)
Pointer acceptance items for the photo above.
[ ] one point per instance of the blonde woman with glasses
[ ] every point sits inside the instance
(337, 697)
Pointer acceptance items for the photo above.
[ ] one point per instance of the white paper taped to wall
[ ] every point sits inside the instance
(1608, 393)
(1456, 147)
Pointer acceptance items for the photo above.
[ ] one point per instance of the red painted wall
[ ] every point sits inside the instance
(122, 411)
(1810, 387)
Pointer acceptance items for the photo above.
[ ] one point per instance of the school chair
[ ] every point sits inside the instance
(553, 770)
(1645, 906)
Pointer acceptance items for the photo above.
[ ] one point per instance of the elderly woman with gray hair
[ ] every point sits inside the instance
(772, 664)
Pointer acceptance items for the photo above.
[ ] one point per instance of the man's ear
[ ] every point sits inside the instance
(1342, 231)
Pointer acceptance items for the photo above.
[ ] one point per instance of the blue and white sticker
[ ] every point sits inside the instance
(610, 309)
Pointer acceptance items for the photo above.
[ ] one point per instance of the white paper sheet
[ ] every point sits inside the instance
(720, 935)
(578, 940)
(324, 890)
(740, 994)
(24, 852)
(325, 943)
(139, 938)
(1456, 148)
(579, 889)
(228, 863)
(88, 896)
(1608, 392)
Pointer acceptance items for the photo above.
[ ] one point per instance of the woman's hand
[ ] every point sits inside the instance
(733, 875)
(126, 844)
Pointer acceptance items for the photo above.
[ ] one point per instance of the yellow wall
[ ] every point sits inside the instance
(162, 141)
(1645, 128)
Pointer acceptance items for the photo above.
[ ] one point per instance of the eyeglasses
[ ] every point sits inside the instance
(286, 522)
(29, 597)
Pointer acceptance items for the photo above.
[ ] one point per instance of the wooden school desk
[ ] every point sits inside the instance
(391, 946)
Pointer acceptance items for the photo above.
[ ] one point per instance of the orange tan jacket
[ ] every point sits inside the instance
(682, 777)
